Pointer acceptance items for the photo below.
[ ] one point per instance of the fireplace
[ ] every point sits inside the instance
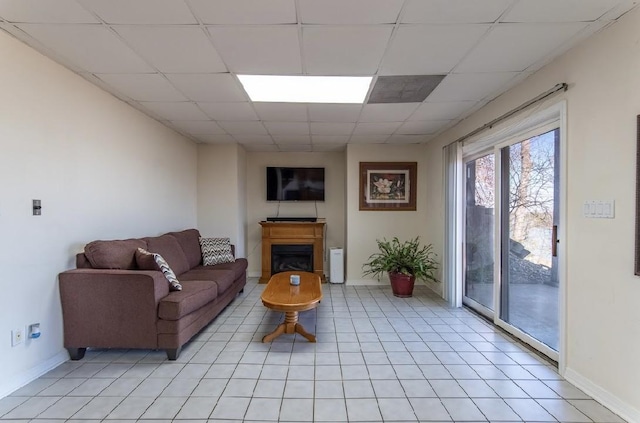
(291, 258)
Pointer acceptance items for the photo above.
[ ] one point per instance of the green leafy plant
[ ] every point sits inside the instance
(408, 257)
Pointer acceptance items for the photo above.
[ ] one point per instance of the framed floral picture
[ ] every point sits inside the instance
(388, 186)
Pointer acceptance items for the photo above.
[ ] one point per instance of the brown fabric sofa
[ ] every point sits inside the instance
(109, 302)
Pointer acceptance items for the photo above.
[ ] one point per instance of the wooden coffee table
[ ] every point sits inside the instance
(280, 295)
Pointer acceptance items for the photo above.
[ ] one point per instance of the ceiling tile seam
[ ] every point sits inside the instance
(506, 11)
(484, 36)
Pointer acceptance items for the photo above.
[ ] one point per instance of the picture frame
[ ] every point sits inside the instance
(637, 237)
(388, 186)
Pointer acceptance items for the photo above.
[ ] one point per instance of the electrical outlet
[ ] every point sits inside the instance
(17, 337)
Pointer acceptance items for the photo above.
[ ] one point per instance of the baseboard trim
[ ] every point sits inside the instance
(254, 274)
(20, 380)
(606, 398)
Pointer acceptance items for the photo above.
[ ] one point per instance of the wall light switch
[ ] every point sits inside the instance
(599, 209)
(37, 208)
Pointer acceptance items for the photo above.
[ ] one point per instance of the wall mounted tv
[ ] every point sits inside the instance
(295, 184)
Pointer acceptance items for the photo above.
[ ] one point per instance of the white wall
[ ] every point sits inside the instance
(364, 227)
(603, 316)
(102, 170)
(258, 209)
(221, 187)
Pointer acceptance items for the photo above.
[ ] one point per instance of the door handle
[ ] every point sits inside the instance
(554, 241)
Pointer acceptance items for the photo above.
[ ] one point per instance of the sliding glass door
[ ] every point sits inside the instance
(511, 217)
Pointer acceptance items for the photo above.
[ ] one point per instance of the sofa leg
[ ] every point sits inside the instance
(173, 353)
(76, 353)
(242, 290)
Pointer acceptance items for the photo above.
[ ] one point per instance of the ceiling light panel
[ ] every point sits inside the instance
(239, 12)
(515, 47)
(45, 11)
(351, 12)
(266, 49)
(454, 11)
(229, 111)
(175, 110)
(143, 86)
(174, 49)
(92, 48)
(329, 50)
(305, 89)
(429, 50)
(209, 87)
(141, 11)
(559, 11)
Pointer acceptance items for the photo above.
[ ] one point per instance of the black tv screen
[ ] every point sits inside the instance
(295, 184)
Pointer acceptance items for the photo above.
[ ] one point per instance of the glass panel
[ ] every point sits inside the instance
(529, 297)
(479, 224)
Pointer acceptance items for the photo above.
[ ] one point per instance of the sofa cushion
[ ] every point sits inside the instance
(115, 254)
(193, 296)
(189, 241)
(216, 251)
(223, 278)
(238, 267)
(169, 248)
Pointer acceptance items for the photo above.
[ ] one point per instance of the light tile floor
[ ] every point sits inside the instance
(378, 358)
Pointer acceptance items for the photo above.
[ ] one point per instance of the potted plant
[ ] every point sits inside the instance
(404, 262)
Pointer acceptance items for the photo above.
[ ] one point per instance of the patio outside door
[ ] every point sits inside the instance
(511, 217)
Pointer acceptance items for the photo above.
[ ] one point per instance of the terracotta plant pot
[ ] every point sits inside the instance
(401, 284)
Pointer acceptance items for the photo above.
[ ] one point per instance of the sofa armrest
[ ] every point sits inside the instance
(111, 308)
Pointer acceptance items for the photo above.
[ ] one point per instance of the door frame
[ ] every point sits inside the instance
(554, 116)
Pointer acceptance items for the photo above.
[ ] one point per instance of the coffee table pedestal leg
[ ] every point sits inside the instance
(289, 326)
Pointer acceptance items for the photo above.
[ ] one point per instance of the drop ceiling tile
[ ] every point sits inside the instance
(211, 87)
(229, 111)
(175, 110)
(329, 50)
(329, 139)
(262, 148)
(453, 11)
(243, 128)
(216, 139)
(235, 12)
(334, 112)
(331, 128)
(408, 139)
(387, 112)
(470, 86)
(264, 49)
(143, 86)
(368, 139)
(254, 139)
(515, 47)
(376, 128)
(559, 11)
(281, 111)
(294, 147)
(287, 128)
(141, 11)
(92, 48)
(329, 147)
(45, 11)
(292, 139)
(429, 49)
(349, 12)
(172, 48)
(443, 110)
(422, 127)
(198, 127)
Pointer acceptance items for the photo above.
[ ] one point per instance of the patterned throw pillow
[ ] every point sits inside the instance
(216, 251)
(174, 284)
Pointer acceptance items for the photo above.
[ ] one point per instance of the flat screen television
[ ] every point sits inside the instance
(295, 184)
